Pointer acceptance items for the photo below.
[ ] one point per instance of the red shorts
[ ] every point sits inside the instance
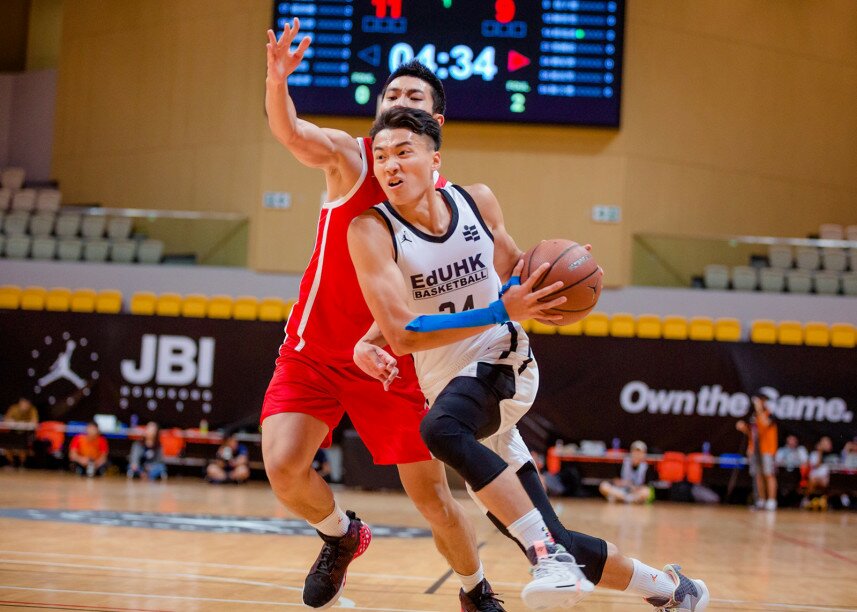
(388, 422)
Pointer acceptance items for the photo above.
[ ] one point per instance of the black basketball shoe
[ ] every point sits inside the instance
(480, 599)
(326, 579)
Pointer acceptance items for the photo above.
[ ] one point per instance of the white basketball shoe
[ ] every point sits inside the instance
(557, 579)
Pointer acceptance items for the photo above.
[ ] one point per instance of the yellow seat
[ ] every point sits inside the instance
(674, 327)
(649, 326)
(33, 298)
(572, 329)
(596, 324)
(527, 325)
(271, 309)
(701, 328)
(168, 305)
(763, 331)
(790, 332)
(108, 301)
(842, 335)
(622, 325)
(219, 307)
(537, 327)
(83, 300)
(816, 333)
(727, 329)
(287, 308)
(143, 303)
(10, 296)
(246, 308)
(58, 299)
(194, 305)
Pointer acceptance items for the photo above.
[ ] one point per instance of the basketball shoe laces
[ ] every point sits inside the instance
(557, 565)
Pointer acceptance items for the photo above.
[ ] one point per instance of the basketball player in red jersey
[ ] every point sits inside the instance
(315, 380)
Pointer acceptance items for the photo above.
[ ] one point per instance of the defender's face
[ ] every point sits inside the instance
(404, 163)
(410, 92)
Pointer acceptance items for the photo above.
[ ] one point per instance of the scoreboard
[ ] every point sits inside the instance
(533, 61)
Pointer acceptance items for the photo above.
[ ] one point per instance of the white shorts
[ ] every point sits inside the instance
(511, 447)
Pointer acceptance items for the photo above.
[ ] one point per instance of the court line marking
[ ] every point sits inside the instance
(246, 602)
(63, 606)
(439, 582)
(601, 591)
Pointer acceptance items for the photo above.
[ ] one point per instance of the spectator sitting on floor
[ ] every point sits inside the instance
(632, 486)
(791, 456)
(147, 457)
(231, 464)
(849, 454)
(819, 474)
(88, 452)
(21, 411)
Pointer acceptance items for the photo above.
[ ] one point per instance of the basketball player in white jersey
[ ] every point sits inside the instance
(474, 365)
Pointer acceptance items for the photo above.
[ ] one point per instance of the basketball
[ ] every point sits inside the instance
(572, 264)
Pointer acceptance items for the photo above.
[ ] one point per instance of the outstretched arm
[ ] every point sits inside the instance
(311, 145)
(383, 288)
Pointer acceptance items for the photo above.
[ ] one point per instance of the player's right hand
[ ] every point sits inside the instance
(376, 362)
(523, 303)
(282, 61)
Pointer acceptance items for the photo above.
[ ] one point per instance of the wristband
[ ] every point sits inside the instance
(514, 280)
(494, 313)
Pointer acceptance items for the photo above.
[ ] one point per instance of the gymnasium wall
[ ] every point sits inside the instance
(737, 118)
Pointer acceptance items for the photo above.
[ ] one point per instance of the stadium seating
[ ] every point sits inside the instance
(572, 329)
(772, 280)
(701, 328)
(83, 300)
(246, 308)
(672, 467)
(68, 225)
(168, 305)
(727, 329)
(5, 198)
(108, 301)
(48, 200)
(649, 326)
(849, 283)
(807, 258)
(596, 324)
(42, 224)
(790, 332)
(143, 303)
(172, 442)
(674, 327)
(123, 251)
(843, 335)
(622, 325)
(33, 298)
(70, 249)
(43, 248)
(95, 250)
(16, 223)
(271, 309)
(219, 307)
(542, 328)
(763, 331)
(745, 278)
(150, 251)
(798, 281)
(24, 200)
(10, 296)
(831, 231)
(119, 228)
(780, 256)
(851, 234)
(834, 260)
(716, 276)
(12, 178)
(194, 305)
(826, 283)
(92, 226)
(58, 299)
(816, 334)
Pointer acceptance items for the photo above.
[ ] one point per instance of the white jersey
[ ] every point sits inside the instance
(453, 273)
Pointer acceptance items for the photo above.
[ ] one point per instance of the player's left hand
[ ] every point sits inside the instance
(376, 362)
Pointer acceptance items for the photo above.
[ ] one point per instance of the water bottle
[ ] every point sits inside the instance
(616, 444)
(203, 427)
(134, 420)
(706, 448)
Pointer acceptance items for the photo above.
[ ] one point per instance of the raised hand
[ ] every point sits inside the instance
(282, 61)
(522, 302)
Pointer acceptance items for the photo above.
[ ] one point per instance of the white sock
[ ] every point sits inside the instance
(335, 525)
(648, 581)
(468, 583)
(530, 528)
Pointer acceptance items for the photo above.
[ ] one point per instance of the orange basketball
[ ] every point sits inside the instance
(572, 264)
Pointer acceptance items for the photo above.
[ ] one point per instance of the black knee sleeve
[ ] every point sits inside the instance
(588, 551)
(454, 443)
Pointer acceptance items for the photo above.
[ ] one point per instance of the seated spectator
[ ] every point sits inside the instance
(231, 463)
(632, 486)
(21, 412)
(849, 455)
(792, 456)
(147, 457)
(88, 452)
(819, 474)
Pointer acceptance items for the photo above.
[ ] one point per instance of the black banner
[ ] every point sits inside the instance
(676, 395)
(176, 371)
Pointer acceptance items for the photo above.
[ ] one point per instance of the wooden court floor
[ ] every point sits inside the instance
(789, 561)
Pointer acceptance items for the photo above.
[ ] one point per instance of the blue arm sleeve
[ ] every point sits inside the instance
(514, 280)
(495, 313)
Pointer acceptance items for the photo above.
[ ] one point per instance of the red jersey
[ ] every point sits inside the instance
(331, 315)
